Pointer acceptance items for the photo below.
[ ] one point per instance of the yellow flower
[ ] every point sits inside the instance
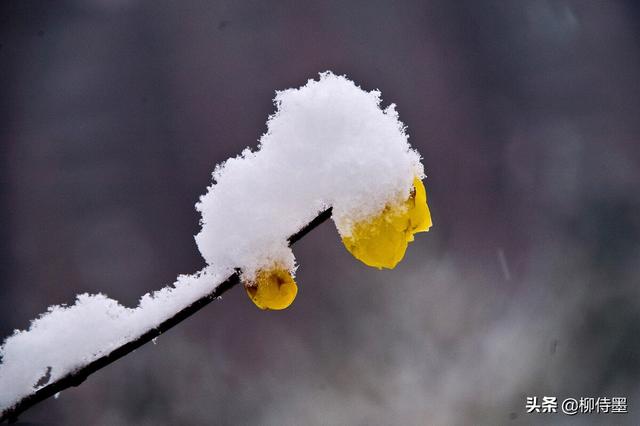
(382, 241)
(272, 289)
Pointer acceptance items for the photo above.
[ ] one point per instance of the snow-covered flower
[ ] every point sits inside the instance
(273, 288)
(382, 240)
(329, 144)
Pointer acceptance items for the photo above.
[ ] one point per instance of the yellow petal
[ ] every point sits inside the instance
(382, 241)
(272, 289)
(420, 215)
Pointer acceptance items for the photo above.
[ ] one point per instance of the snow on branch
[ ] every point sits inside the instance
(75, 377)
(330, 150)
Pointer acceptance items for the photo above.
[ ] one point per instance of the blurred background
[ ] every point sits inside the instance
(113, 114)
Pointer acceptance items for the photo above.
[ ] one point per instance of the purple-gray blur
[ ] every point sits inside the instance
(113, 114)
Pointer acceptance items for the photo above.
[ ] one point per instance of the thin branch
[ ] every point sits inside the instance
(80, 375)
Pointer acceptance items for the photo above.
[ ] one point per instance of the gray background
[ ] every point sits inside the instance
(114, 113)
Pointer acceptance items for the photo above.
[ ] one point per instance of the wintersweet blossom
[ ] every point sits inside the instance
(382, 240)
(272, 289)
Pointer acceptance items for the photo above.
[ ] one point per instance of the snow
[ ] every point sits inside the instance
(329, 143)
(67, 337)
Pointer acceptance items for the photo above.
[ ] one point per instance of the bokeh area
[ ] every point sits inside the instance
(113, 114)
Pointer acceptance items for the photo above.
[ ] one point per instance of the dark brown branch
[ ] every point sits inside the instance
(77, 377)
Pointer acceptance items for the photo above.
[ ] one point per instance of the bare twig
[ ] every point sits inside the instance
(80, 375)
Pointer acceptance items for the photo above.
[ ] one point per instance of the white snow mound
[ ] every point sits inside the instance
(328, 144)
